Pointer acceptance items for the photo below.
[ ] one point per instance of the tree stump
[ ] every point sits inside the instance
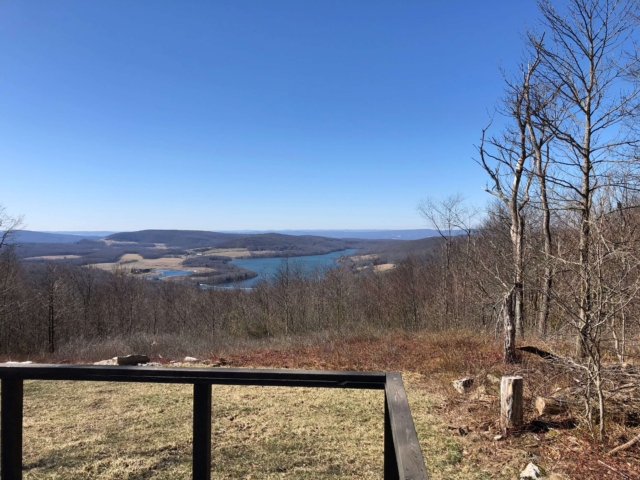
(511, 402)
(550, 406)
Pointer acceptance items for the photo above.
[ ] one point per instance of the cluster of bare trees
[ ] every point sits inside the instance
(563, 167)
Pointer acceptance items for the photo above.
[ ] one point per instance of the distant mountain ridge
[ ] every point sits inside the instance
(199, 238)
(85, 233)
(30, 236)
(366, 234)
(177, 238)
(391, 251)
(255, 242)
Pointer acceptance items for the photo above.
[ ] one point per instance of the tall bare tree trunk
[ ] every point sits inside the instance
(517, 234)
(547, 276)
(586, 193)
(509, 324)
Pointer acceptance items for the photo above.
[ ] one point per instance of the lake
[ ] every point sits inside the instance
(266, 267)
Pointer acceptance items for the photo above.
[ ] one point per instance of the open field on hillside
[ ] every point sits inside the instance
(229, 252)
(384, 267)
(134, 260)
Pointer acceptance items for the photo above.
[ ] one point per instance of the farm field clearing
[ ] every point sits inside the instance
(135, 260)
(230, 252)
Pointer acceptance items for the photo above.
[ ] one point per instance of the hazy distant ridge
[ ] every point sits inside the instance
(372, 234)
(198, 238)
(29, 236)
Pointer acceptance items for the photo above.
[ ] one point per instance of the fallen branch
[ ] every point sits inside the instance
(540, 353)
(613, 469)
(624, 446)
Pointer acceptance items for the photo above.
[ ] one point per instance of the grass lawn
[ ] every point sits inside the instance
(80, 430)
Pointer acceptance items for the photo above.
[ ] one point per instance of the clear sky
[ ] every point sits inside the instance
(240, 114)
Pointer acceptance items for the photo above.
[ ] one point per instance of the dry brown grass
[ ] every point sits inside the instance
(92, 430)
(230, 252)
(133, 260)
(457, 431)
(113, 431)
(384, 267)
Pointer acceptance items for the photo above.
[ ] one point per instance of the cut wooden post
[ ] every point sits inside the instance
(11, 426)
(511, 402)
(201, 431)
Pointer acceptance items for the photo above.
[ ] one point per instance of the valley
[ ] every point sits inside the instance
(204, 257)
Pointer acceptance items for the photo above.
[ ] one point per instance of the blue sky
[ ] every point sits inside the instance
(238, 114)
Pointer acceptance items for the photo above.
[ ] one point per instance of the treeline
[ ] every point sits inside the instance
(45, 308)
(459, 284)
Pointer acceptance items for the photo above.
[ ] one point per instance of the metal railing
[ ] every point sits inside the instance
(402, 455)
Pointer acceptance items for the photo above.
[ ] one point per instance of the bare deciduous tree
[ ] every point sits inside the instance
(8, 225)
(589, 63)
(505, 160)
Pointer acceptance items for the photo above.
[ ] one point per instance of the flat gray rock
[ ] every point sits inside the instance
(531, 472)
(111, 361)
(463, 385)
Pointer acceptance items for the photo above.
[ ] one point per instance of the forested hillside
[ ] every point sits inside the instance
(175, 238)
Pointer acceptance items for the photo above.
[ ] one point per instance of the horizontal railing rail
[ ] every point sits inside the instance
(402, 455)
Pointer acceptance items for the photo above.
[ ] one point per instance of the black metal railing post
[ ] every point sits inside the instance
(11, 425)
(201, 431)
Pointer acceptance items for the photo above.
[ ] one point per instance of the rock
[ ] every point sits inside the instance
(206, 362)
(493, 378)
(132, 360)
(190, 360)
(531, 472)
(154, 364)
(463, 385)
(111, 361)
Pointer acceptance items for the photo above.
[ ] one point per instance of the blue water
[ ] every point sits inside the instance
(171, 273)
(266, 267)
